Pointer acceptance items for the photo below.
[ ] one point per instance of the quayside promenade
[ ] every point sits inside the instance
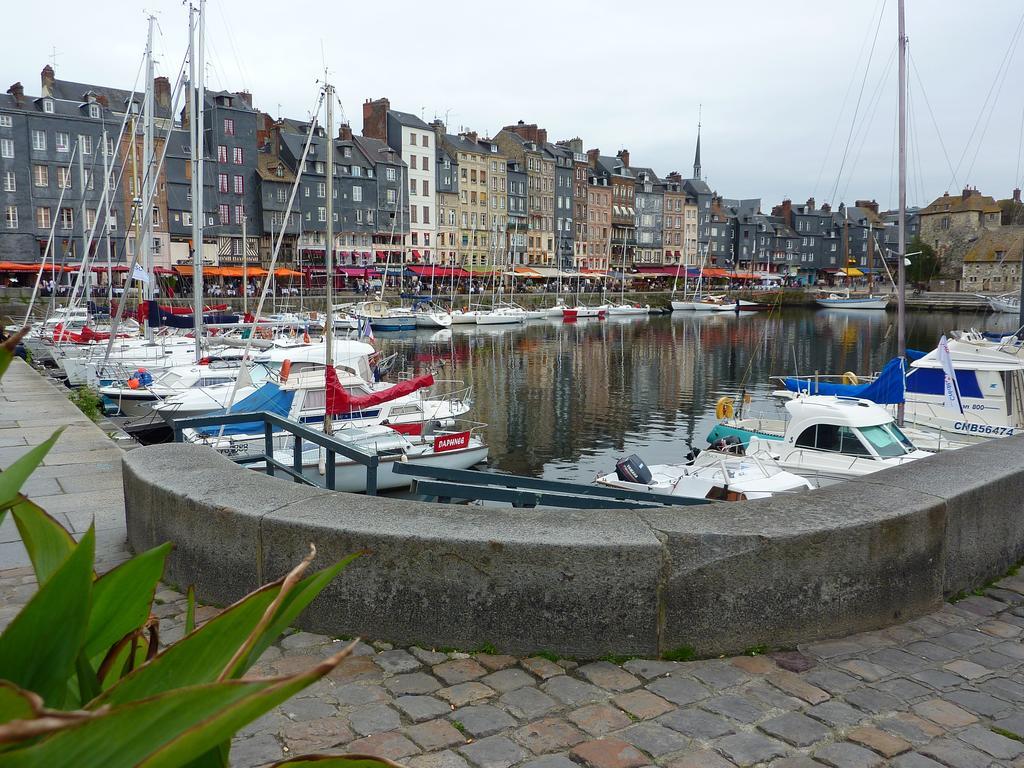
(946, 689)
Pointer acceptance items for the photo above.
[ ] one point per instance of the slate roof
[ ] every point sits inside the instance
(408, 119)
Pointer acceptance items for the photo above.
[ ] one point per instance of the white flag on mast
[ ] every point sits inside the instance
(950, 389)
(140, 274)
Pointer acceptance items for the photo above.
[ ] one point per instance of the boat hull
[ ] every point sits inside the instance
(870, 302)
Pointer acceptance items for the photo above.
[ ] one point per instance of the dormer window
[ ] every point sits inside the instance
(94, 111)
(279, 172)
(48, 106)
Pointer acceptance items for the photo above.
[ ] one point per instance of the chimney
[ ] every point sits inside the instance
(246, 97)
(345, 132)
(542, 135)
(470, 136)
(47, 78)
(162, 91)
(871, 205)
(576, 145)
(592, 155)
(375, 118)
(966, 193)
(623, 155)
(1016, 192)
(827, 207)
(675, 176)
(810, 203)
(18, 92)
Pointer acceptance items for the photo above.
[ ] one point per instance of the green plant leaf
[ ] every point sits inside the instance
(190, 610)
(38, 648)
(335, 761)
(15, 704)
(294, 603)
(47, 542)
(7, 350)
(12, 478)
(122, 598)
(168, 730)
(202, 656)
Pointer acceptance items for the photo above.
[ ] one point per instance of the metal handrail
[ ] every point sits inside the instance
(299, 432)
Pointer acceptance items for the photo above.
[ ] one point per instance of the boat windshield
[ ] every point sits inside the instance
(887, 440)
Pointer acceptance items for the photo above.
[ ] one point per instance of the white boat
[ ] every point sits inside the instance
(628, 309)
(351, 357)
(1008, 303)
(441, 449)
(433, 319)
(303, 398)
(383, 317)
(716, 475)
(501, 316)
(464, 316)
(846, 300)
(714, 304)
(826, 439)
(990, 379)
(572, 314)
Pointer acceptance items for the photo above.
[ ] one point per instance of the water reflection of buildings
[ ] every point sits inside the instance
(555, 393)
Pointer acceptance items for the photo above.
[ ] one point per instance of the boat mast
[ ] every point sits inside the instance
(147, 179)
(846, 246)
(196, 139)
(329, 248)
(106, 223)
(901, 307)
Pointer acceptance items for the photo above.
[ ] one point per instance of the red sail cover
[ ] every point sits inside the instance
(340, 401)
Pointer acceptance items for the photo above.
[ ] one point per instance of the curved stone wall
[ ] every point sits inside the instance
(720, 578)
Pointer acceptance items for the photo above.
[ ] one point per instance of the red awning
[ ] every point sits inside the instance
(439, 272)
(416, 253)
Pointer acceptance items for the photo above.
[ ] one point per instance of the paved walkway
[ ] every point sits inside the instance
(80, 479)
(943, 690)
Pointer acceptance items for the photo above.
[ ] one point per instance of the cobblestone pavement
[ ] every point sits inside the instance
(943, 690)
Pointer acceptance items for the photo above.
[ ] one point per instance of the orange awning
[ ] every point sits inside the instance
(285, 272)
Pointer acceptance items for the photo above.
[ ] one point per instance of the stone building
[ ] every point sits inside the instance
(413, 139)
(951, 224)
(615, 171)
(992, 263)
(497, 198)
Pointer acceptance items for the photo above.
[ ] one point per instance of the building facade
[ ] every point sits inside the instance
(950, 224)
(518, 219)
(413, 139)
(650, 217)
(447, 183)
(43, 189)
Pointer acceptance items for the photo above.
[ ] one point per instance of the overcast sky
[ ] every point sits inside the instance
(779, 82)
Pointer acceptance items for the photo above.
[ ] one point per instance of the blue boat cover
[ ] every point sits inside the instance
(888, 388)
(269, 397)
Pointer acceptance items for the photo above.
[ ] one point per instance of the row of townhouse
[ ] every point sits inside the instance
(405, 191)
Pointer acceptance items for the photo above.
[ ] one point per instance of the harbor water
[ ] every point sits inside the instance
(564, 401)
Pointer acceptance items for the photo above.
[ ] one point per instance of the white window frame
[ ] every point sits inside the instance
(59, 145)
(7, 148)
(10, 181)
(11, 217)
(6, 121)
(38, 140)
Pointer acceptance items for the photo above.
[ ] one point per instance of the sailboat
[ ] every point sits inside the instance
(846, 299)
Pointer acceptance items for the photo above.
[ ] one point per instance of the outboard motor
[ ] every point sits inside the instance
(633, 470)
(692, 456)
(729, 444)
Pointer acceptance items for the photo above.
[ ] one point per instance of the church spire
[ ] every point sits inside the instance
(696, 156)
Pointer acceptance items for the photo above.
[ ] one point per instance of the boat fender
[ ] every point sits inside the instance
(305, 337)
(850, 378)
(133, 383)
(286, 369)
(725, 408)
